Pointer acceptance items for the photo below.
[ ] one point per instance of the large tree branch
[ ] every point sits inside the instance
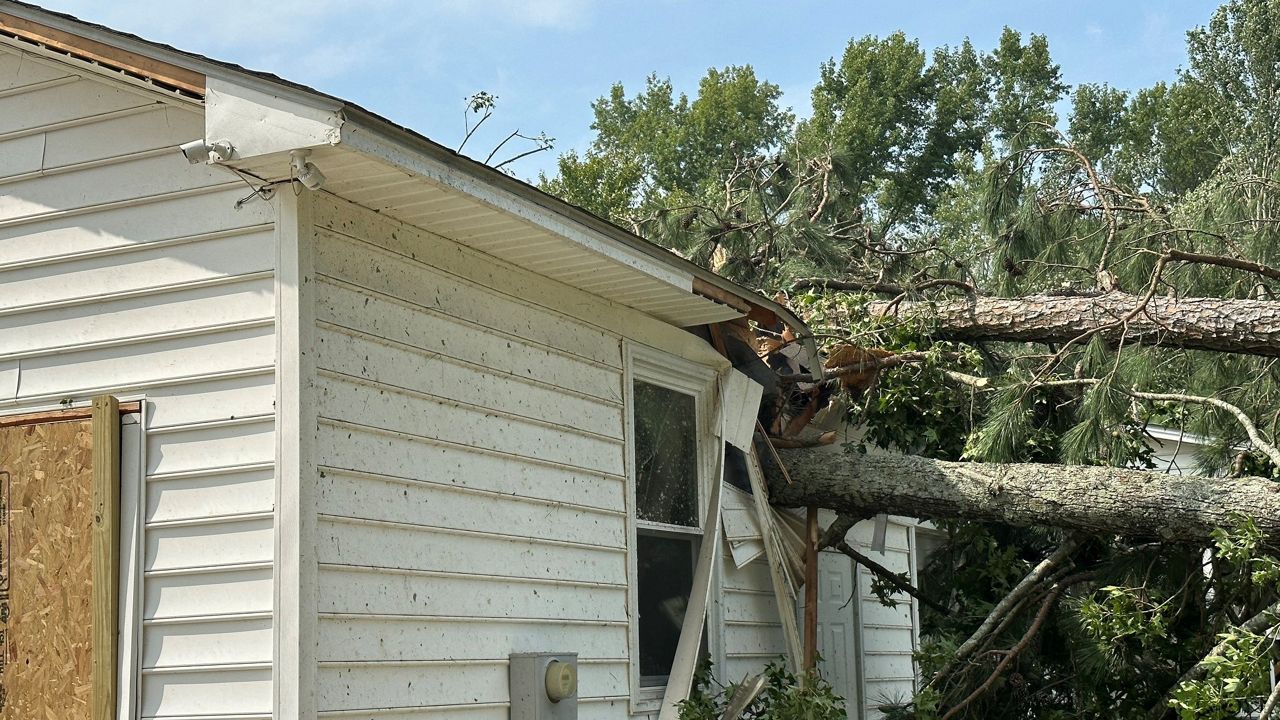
(1102, 500)
(1216, 324)
(1223, 261)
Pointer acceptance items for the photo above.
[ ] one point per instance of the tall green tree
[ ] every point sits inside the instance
(896, 123)
(1027, 85)
(658, 148)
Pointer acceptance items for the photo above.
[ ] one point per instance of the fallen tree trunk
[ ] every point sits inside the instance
(1231, 325)
(1101, 500)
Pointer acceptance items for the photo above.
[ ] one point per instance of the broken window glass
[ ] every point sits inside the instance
(666, 447)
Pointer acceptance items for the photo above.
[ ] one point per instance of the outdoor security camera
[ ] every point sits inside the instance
(200, 151)
(306, 171)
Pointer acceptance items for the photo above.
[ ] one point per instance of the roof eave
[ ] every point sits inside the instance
(411, 141)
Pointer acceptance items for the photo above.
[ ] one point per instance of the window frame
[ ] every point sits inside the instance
(655, 367)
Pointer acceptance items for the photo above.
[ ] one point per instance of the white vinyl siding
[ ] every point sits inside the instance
(753, 634)
(126, 270)
(471, 478)
(887, 636)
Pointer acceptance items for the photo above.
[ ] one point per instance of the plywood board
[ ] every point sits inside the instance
(46, 570)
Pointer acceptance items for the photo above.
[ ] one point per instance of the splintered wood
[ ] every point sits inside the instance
(46, 586)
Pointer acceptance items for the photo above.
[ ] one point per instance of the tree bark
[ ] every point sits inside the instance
(1100, 500)
(1231, 325)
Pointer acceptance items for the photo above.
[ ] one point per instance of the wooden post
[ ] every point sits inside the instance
(106, 554)
(811, 589)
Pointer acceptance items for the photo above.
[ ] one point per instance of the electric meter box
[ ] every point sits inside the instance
(544, 686)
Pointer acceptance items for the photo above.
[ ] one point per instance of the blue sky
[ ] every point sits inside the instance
(414, 61)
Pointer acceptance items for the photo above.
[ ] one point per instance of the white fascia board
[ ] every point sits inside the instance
(394, 151)
(258, 122)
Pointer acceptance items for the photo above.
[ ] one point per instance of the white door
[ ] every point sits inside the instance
(838, 627)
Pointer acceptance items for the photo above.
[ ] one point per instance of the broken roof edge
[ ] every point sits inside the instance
(706, 282)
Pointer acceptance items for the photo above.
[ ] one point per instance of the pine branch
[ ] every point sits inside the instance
(879, 288)
(1012, 653)
(1250, 429)
(1222, 261)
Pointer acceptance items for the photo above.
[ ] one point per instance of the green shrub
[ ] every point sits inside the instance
(784, 697)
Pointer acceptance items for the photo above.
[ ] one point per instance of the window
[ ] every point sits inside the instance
(668, 467)
(666, 462)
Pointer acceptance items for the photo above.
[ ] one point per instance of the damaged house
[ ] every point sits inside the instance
(303, 415)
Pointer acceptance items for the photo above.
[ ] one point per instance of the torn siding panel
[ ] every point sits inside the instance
(876, 668)
(126, 270)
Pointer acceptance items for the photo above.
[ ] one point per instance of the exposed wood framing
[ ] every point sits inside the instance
(106, 554)
(157, 71)
(711, 292)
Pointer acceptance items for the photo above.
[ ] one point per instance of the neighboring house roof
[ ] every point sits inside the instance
(201, 78)
(1174, 435)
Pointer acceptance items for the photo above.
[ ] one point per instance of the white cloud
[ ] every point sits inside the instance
(1093, 30)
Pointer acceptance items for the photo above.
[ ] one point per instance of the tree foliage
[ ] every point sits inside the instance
(658, 149)
(928, 179)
